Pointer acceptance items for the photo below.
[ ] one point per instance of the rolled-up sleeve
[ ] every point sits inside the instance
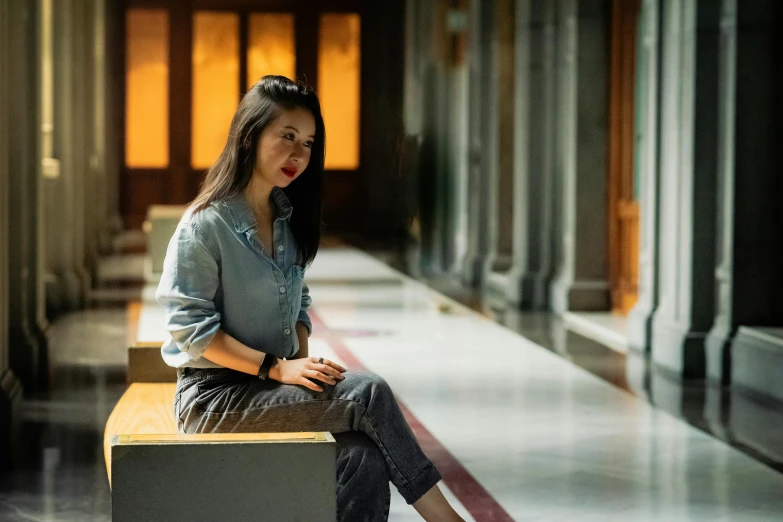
(304, 317)
(187, 291)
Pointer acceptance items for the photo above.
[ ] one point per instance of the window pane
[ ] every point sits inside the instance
(271, 47)
(147, 88)
(338, 88)
(215, 83)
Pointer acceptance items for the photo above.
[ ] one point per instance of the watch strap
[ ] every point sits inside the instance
(268, 362)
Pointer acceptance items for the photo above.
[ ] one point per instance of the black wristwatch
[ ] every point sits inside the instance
(269, 361)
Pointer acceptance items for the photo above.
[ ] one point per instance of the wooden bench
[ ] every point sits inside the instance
(155, 473)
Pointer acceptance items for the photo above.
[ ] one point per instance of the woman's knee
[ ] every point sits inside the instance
(372, 386)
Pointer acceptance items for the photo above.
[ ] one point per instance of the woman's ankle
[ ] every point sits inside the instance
(433, 507)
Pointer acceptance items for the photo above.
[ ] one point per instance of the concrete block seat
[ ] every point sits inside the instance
(157, 474)
(146, 333)
(160, 225)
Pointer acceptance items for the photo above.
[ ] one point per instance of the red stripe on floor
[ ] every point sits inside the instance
(465, 487)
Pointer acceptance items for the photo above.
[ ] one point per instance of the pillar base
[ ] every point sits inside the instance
(41, 334)
(580, 296)
(24, 356)
(640, 328)
(10, 418)
(524, 290)
(473, 272)
(71, 291)
(677, 350)
(718, 346)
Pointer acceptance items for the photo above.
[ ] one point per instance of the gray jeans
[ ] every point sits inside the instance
(374, 442)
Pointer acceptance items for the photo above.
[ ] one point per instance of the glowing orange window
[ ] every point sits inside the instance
(215, 83)
(147, 88)
(271, 47)
(339, 55)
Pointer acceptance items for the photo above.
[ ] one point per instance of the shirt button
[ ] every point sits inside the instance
(282, 289)
(280, 248)
(287, 331)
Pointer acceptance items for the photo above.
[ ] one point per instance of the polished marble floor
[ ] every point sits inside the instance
(526, 420)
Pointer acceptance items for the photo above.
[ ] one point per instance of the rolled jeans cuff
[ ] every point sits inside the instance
(421, 484)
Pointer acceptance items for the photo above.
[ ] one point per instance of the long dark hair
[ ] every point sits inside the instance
(232, 171)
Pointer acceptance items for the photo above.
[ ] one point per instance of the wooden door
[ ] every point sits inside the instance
(188, 63)
(623, 204)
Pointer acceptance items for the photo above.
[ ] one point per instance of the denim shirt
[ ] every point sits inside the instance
(217, 275)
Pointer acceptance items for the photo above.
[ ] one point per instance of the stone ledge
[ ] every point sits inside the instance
(603, 327)
(757, 422)
(757, 357)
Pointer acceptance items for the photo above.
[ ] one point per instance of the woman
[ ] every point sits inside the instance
(237, 307)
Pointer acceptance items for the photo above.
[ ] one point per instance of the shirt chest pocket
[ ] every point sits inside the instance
(297, 280)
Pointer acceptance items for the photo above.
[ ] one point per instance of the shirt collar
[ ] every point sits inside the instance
(243, 217)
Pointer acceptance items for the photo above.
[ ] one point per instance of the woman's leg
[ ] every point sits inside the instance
(362, 479)
(362, 402)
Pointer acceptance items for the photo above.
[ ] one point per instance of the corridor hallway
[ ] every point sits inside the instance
(519, 431)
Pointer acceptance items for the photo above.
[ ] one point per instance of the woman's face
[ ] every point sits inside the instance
(284, 147)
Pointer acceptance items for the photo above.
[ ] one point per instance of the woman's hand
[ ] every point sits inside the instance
(300, 371)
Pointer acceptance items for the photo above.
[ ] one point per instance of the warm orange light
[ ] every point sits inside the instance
(146, 88)
(215, 83)
(339, 54)
(271, 47)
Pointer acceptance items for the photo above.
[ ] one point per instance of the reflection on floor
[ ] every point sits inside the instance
(540, 426)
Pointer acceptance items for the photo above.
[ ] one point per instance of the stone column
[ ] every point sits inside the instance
(688, 166)
(647, 125)
(482, 118)
(461, 83)
(434, 178)
(411, 119)
(94, 214)
(65, 195)
(458, 150)
(80, 129)
(10, 387)
(44, 168)
(750, 251)
(534, 148)
(512, 250)
(536, 279)
(27, 342)
(112, 79)
(437, 106)
(582, 280)
(48, 190)
(506, 110)
(101, 230)
(453, 131)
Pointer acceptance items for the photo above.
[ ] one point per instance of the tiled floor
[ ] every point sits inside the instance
(545, 426)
